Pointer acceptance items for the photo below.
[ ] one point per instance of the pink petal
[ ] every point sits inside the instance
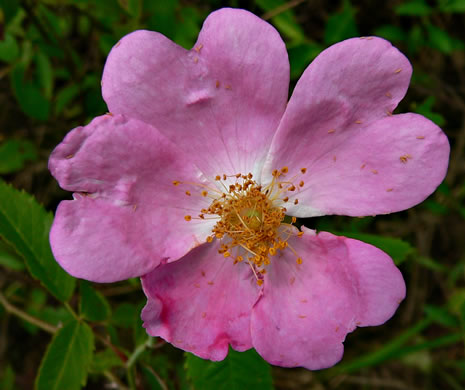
(360, 160)
(221, 101)
(307, 310)
(127, 216)
(387, 166)
(201, 303)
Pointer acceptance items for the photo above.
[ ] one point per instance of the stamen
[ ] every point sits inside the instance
(250, 217)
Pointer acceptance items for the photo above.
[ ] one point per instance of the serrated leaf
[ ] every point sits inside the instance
(8, 257)
(94, 306)
(24, 224)
(105, 360)
(14, 153)
(240, 370)
(394, 247)
(67, 360)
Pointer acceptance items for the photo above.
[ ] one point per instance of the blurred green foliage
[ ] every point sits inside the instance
(52, 54)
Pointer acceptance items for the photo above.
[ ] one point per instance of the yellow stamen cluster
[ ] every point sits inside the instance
(251, 218)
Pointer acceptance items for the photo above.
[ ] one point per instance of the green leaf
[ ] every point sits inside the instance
(65, 96)
(9, 49)
(442, 41)
(300, 57)
(45, 74)
(105, 360)
(391, 33)
(452, 5)
(341, 25)
(285, 21)
(394, 247)
(25, 225)
(240, 370)
(14, 153)
(10, 8)
(8, 257)
(426, 109)
(413, 8)
(67, 360)
(28, 94)
(125, 315)
(7, 378)
(441, 316)
(94, 306)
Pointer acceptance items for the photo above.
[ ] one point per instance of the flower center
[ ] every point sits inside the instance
(251, 219)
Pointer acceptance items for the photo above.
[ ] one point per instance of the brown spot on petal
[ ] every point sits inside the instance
(404, 159)
(358, 121)
(217, 84)
(134, 208)
(198, 48)
(389, 189)
(204, 315)
(292, 280)
(398, 70)
(388, 94)
(302, 316)
(303, 301)
(374, 171)
(228, 87)
(196, 60)
(358, 323)
(389, 113)
(334, 158)
(210, 283)
(363, 166)
(203, 273)
(69, 156)
(330, 131)
(196, 285)
(420, 137)
(337, 329)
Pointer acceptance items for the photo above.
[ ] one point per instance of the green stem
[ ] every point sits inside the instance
(27, 317)
(70, 309)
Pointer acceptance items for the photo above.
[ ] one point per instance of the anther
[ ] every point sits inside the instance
(204, 193)
(188, 218)
(303, 170)
(176, 182)
(188, 193)
(296, 201)
(284, 170)
(299, 260)
(301, 184)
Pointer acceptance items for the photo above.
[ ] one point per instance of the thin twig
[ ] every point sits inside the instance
(282, 8)
(27, 317)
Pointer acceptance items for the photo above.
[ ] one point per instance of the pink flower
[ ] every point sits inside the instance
(219, 265)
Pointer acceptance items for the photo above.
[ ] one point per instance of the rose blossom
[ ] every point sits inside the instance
(186, 183)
